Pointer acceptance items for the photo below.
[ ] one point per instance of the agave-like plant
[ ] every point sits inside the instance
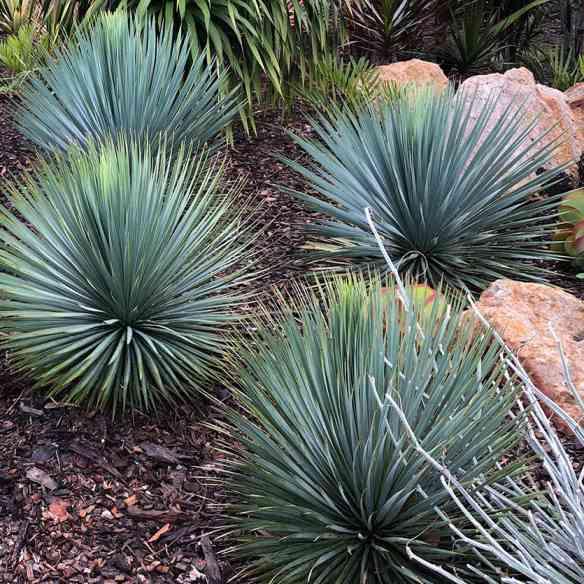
(480, 30)
(451, 193)
(386, 27)
(122, 75)
(118, 296)
(329, 484)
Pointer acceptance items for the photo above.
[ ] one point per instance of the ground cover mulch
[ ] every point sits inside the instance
(87, 500)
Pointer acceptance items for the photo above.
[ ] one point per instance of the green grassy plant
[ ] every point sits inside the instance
(117, 298)
(329, 484)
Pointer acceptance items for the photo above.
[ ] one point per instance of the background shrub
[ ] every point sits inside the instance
(118, 296)
(484, 34)
(122, 76)
(330, 486)
(335, 84)
(264, 43)
(452, 196)
(24, 52)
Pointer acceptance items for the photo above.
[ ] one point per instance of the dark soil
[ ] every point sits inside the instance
(83, 499)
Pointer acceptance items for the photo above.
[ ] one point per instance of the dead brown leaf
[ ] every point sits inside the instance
(164, 529)
(58, 510)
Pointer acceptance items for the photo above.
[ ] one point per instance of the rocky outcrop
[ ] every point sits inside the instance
(575, 98)
(550, 107)
(413, 72)
(532, 319)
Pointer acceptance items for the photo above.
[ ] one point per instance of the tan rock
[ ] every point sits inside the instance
(413, 72)
(526, 316)
(575, 98)
(549, 105)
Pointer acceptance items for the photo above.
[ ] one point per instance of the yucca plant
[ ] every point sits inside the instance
(384, 28)
(328, 481)
(124, 76)
(118, 297)
(479, 31)
(451, 193)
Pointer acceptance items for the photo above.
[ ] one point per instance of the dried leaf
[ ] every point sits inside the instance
(37, 475)
(84, 512)
(164, 529)
(130, 501)
(58, 510)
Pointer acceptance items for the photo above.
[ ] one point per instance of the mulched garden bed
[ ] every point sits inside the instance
(84, 499)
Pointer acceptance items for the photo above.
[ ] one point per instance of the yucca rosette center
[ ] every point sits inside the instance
(118, 296)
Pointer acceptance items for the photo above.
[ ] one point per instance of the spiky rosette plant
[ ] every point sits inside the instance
(118, 296)
(451, 193)
(122, 75)
(330, 486)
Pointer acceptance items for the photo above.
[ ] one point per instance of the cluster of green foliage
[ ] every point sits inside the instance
(481, 32)
(560, 67)
(373, 415)
(264, 43)
(334, 84)
(569, 235)
(24, 52)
